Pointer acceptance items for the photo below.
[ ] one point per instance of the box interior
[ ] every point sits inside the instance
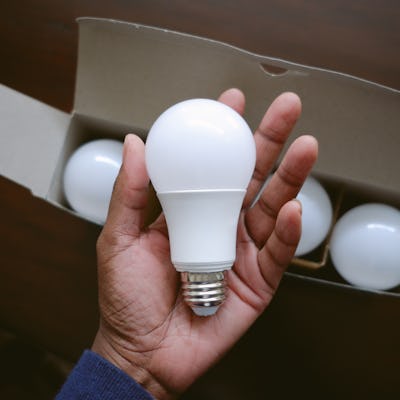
(344, 195)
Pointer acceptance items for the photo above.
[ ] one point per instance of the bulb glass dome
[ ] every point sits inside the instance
(200, 144)
(89, 177)
(365, 246)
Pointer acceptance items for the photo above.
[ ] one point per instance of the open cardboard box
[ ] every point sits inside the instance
(128, 74)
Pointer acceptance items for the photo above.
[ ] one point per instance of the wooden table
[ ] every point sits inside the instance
(48, 290)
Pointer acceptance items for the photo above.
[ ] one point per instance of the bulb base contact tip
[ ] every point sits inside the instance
(204, 292)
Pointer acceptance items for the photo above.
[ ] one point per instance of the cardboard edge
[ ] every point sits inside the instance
(31, 137)
(342, 286)
(278, 62)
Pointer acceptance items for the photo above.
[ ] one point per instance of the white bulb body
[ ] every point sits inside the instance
(200, 155)
(202, 228)
(316, 215)
(365, 246)
(89, 177)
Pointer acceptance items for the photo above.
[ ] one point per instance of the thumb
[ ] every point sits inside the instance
(129, 199)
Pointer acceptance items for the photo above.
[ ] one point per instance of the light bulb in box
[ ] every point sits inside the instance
(89, 177)
(316, 215)
(200, 156)
(365, 246)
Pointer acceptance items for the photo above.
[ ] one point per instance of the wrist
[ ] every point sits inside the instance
(134, 365)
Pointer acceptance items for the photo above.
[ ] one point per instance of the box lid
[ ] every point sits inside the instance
(130, 73)
(31, 137)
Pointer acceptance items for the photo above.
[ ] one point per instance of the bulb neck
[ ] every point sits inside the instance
(204, 292)
(203, 268)
(202, 227)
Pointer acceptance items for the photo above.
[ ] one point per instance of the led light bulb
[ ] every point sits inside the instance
(365, 246)
(89, 177)
(316, 216)
(200, 156)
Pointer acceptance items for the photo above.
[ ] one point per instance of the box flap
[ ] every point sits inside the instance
(31, 136)
(131, 73)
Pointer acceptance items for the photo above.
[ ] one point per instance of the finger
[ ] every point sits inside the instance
(129, 199)
(279, 249)
(283, 186)
(270, 138)
(233, 98)
(250, 293)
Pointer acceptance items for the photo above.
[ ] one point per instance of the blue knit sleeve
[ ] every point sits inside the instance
(94, 378)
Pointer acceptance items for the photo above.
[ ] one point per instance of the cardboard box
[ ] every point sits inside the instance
(128, 74)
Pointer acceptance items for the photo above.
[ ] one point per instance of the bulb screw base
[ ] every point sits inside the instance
(204, 292)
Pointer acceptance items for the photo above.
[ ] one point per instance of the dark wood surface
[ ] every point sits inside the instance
(323, 341)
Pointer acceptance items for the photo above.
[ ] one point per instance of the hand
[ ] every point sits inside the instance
(146, 329)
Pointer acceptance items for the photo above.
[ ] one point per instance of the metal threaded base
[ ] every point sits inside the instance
(204, 292)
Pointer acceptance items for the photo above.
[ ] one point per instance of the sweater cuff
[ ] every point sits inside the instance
(94, 378)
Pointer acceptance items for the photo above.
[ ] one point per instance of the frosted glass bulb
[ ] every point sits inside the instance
(316, 216)
(365, 246)
(89, 177)
(200, 156)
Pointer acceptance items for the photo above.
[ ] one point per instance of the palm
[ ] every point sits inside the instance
(144, 318)
(162, 319)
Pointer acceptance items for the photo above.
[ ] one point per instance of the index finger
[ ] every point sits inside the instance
(233, 98)
(270, 137)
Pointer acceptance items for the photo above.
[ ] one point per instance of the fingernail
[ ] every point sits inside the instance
(298, 202)
(125, 149)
